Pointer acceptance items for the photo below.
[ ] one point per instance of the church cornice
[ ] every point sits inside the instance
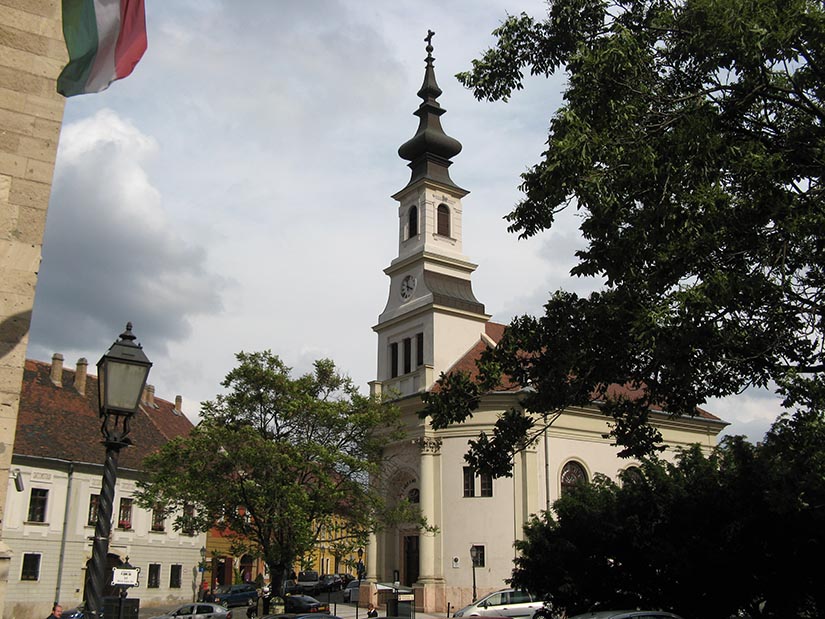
(430, 258)
(429, 183)
(425, 308)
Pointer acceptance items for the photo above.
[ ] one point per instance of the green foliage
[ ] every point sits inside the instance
(275, 460)
(691, 142)
(733, 534)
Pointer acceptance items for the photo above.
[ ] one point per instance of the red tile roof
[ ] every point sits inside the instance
(58, 422)
(494, 331)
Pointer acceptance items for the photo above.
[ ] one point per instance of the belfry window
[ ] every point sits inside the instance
(407, 355)
(393, 359)
(443, 220)
(412, 222)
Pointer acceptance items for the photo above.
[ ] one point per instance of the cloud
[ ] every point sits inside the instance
(110, 255)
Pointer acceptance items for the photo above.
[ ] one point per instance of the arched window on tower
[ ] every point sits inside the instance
(571, 474)
(443, 220)
(412, 222)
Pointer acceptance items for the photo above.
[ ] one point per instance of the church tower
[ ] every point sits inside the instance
(432, 317)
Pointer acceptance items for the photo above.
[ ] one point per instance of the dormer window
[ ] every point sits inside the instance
(412, 222)
(443, 220)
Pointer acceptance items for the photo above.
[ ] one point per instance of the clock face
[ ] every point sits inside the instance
(407, 286)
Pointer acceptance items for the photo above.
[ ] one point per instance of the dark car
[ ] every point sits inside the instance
(236, 595)
(628, 614)
(304, 604)
(330, 582)
(200, 610)
(301, 616)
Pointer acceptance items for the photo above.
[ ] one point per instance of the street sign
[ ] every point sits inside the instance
(123, 577)
(406, 597)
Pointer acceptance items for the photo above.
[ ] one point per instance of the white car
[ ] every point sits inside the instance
(504, 603)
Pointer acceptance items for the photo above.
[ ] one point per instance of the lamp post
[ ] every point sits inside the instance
(474, 559)
(203, 573)
(121, 377)
(360, 566)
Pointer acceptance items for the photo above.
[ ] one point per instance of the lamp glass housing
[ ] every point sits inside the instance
(122, 374)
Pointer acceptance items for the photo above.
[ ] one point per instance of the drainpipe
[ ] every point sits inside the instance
(546, 470)
(63, 534)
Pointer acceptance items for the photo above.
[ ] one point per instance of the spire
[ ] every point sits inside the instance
(430, 149)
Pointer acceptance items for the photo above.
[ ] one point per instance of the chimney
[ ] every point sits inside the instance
(149, 395)
(57, 370)
(178, 404)
(80, 376)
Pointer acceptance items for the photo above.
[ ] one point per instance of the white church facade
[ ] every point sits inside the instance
(433, 323)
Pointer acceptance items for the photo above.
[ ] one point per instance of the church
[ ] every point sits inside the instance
(434, 323)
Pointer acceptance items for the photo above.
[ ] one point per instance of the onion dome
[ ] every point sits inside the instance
(429, 151)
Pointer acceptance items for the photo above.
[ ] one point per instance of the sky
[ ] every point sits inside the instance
(233, 193)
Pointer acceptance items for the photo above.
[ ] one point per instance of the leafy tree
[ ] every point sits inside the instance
(691, 141)
(732, 534)
(275, 460)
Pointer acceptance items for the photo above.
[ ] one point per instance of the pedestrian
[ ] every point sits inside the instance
(57, 610)
(372, 611)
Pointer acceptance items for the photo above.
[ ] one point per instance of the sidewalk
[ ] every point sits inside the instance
(348, 611)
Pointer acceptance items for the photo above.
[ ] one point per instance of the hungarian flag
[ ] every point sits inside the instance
(105, 40)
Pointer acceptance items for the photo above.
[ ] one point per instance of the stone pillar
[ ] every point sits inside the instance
(430, 583)
(372, 558)
(32, 53)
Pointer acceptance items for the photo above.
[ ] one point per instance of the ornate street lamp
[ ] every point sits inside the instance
(474, 559)
(202, 596)
(121, 377)
(362, 572)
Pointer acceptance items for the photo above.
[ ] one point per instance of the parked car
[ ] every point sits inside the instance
(352, 585)
(301, 616)
(236, 595)
(290, 587)
(504, 603)
(330, 582)
(308, 581)
(304, 604)
(201, 610)
(628, 614)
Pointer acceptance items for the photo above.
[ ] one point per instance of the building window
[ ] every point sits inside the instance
(393, 359)
(188, 527)
(486, 484)
(419, 349)
(469, 482)
(38, 499)
(94, 506)
(154, 575)
(158, 519)
(443, 223)
(124, 514)
(31, 567)
(477, 555)
(407, 355)
(571, 474)
(174, 576)
(412, 222)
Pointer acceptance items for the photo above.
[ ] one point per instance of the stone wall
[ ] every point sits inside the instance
(32, 53)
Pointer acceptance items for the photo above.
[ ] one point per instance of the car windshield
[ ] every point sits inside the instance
(223, 589)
